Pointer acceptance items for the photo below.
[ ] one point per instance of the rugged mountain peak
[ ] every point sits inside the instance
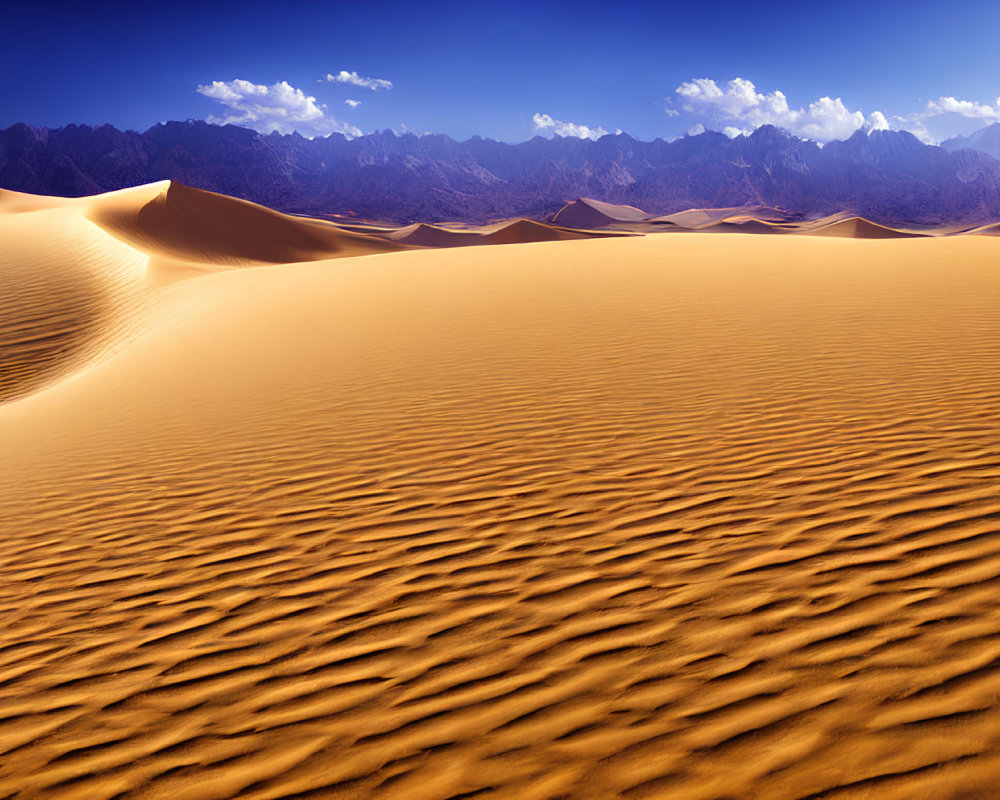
(889, 177)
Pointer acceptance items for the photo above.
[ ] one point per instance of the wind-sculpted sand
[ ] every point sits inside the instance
(680, 516)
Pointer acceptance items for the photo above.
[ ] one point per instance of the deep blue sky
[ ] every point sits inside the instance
(487, 68)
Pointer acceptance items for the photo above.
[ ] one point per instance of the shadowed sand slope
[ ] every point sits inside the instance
(683, 516)
(587, 213)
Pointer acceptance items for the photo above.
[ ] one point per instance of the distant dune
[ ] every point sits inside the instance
(665, 516)
(700, 218)
(858, 228)
(514, 232)
(587, 213)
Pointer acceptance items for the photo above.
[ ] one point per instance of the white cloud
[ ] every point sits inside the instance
(354, 79)
(741, 108)
(352, 103)
(915, 125)
(946, 109)
(696, 129)
(544, 122)
(279, 107)
(877, 122)
(964, 108)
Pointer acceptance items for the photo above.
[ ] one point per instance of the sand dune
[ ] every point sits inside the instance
(744, 226)
(67, 291)
(989, 230)
(434, 236)
(75, 273)
(194, 225)
(702, 218)
(519, 231)
(587, 213)
(859, 228)
(683, 516)
(526, 230)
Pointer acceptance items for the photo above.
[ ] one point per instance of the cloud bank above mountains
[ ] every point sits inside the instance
(739, 108)
(734, 107)
(279, 107)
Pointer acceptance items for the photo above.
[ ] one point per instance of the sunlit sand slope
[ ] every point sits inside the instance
(68, 290)
(75, 273)
(687, 516)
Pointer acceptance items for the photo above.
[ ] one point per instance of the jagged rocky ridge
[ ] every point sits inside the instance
(889, 177)
(985, 140)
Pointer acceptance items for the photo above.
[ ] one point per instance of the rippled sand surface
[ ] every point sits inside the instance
(681, 516)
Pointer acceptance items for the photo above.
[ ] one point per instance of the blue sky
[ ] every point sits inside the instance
(507, 71)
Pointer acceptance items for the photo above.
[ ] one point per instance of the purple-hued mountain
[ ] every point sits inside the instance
(889, 177)
(985, 140)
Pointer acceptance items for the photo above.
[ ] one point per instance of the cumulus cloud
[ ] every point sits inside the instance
(942, 107)
(740, 108)
(877, 122)
(544, 122)
(352, 103)
(279, 107)
(354, 79)
(964, 108)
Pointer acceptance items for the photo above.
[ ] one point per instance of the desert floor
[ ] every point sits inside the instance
(680, 516)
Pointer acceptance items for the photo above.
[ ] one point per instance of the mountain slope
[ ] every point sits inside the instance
(986, 140)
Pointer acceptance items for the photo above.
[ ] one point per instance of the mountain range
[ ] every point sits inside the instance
(886, 176)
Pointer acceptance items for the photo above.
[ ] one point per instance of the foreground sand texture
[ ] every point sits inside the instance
(680, 516)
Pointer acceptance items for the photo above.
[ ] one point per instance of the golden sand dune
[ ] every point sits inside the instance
(67, 290)
(700, 218)
(523, 231)
(682, 516)
(433, 236)
(195, 225)
(519, 231)
(744, 225)
(858, 228)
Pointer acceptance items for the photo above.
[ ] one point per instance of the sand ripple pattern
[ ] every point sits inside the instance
(59, 311)
(673, 517)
